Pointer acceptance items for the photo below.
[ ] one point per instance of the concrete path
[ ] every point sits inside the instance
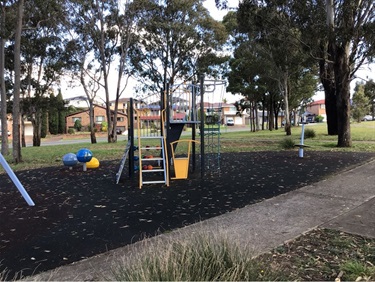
(345, 201)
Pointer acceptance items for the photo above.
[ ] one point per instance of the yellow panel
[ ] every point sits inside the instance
(181, 168)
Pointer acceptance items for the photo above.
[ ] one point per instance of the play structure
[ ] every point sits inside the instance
(84, 156)
(174, 131)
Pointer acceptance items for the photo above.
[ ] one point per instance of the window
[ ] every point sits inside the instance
(99, 119)
(76, 118)
(120, 119)
(322, 106)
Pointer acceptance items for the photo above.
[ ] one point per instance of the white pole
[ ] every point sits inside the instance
(16, 181)
(300, 151)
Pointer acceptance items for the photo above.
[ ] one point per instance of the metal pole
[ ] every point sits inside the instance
(131, 136)
(201, 82)
(16, 182)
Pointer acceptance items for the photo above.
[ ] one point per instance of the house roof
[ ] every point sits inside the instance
(95, 106)
(176, 116)
(318, 102)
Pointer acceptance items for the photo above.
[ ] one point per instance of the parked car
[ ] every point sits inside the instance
(230, 122)
(310, 119)
(367, 118)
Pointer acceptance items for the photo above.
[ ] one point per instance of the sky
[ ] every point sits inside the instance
(365, 73)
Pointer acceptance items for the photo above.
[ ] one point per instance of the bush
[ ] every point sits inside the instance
(78, 125)
(319, 118)
(287, 143)
(71, 131)
(310, 133)
(197, 259)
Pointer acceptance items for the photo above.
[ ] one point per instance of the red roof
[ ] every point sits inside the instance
(318, 102)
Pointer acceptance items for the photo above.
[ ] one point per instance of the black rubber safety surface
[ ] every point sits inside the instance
(80, 214)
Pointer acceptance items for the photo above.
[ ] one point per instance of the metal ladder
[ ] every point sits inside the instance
(145, 162)
(153, 168)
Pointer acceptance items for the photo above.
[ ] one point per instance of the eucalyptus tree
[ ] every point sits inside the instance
(101, 33)
(339, 36)
(7, 18)
(361, 103)
(42, 51)
(370, 93)
(16, 153)
(83, 68)
(175, 42)
(265, 27)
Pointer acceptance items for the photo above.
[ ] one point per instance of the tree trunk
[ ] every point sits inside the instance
(23, 140)
(3, 109)
(327, 78)
(326, 68)
(285, 89)
(271, 121)
(342, 73)
(37, 128)
(92, 125)
(17, 157)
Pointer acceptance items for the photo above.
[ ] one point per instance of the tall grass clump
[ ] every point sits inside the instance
(287, 143)
(310, 133)
(196, 259)
(358, 271)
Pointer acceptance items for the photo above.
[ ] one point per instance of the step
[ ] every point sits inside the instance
(153, 170)
(151, 148)
(152, 159)
(153, 182)
(151, 137)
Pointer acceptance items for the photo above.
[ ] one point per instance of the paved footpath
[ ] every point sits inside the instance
(345, 201)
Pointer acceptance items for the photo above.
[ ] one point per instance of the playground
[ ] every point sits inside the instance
(79, 214)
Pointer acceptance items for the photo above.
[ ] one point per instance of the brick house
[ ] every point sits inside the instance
(317, 108)
(99, 117)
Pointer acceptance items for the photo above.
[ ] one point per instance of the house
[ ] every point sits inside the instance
(99, 118)
(28, 127)
(121, 105)
(317, 108)
(79, 102)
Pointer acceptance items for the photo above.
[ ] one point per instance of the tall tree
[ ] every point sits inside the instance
(42, 50)
(339, 36)
(17, 157)
(7, 16)
(176, 40)
(370, 93)
(266, 27)
(102, 34)
(360, 106)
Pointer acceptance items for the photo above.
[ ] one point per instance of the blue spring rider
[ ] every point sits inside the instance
(84, 155)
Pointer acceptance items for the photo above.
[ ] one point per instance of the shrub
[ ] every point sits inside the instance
(287, 143)
(71, 131)
(104, 126)
(319, 118)
(197, 259)
(310, 133)
(78, 125)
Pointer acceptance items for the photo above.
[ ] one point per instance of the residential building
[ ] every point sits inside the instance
(79, 102)
(99, 118)
(122, 104)
(317, 108)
